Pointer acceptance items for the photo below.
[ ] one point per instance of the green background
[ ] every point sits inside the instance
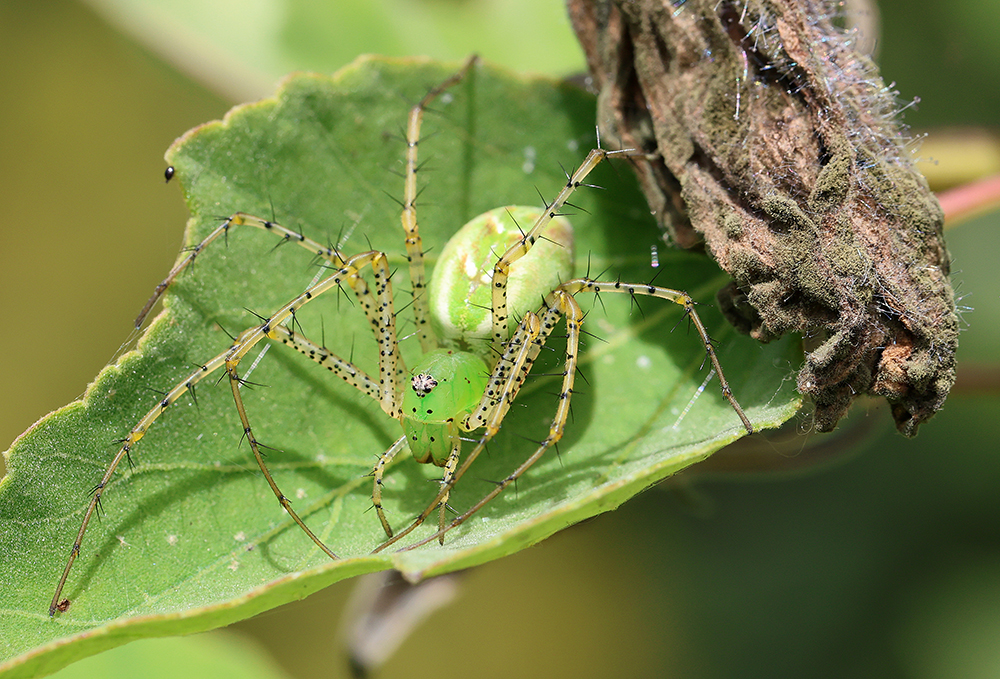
(886, 564)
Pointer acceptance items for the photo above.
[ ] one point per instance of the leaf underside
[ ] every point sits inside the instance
(192, 538)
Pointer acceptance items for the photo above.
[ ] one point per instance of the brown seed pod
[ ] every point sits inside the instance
(774, 142)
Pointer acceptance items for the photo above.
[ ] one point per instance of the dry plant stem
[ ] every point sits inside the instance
(776, 144)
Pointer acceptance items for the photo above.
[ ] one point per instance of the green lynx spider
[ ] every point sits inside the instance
(472, 366)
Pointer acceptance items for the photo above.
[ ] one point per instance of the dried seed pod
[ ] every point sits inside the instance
(776, 143)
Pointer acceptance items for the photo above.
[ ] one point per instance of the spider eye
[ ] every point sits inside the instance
(422, 384)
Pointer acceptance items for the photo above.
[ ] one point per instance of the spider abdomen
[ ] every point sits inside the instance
(460, 287)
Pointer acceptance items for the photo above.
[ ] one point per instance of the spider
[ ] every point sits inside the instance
(499, 288)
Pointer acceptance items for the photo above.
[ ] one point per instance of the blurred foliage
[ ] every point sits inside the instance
(879, 566)
(241, 48)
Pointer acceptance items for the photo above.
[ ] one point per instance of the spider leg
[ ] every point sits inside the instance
(286, 504)
(678, 297)
(387, 393)
(414, 245)
(447, 483)
(501, 270)
(346, 370)
(377, 473)
(331, 255)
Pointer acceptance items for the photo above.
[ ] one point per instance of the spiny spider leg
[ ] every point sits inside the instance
(349, 372)
(286, 504)
(384, 391)
(331, 255)
(501, 271)
(378, 473)
(509, 374)
(414, 245)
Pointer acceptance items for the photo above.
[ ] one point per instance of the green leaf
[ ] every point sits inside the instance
(191, 537)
